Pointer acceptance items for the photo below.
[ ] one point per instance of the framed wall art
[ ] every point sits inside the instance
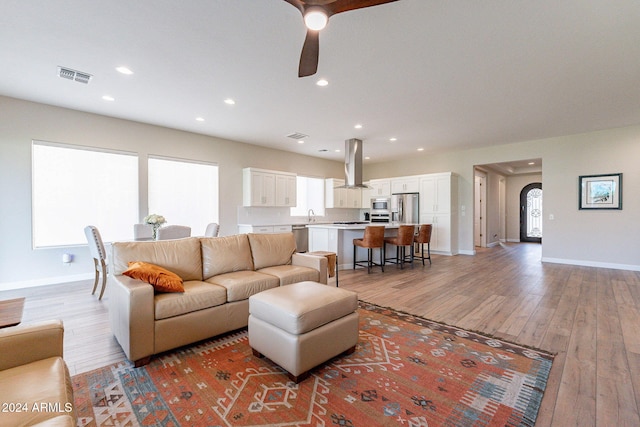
(600, 191)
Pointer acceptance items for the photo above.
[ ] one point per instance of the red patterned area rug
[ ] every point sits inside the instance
(406, 371)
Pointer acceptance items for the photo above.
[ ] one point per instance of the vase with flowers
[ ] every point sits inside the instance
(155, 221)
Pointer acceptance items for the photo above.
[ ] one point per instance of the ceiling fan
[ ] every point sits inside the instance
(316, 14)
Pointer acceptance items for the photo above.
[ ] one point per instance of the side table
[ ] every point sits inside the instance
(11, 312)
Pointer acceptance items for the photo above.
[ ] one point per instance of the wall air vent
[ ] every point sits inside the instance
(78, 76)
(298, 136)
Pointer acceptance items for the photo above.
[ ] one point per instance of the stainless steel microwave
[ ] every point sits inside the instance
(380, 205)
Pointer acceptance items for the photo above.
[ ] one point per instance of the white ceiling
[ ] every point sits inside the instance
(438, 75)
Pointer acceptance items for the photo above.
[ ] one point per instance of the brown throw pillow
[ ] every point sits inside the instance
(160, 278)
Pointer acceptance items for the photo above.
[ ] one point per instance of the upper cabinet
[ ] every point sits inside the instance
(436, 191)
(336, 197)
(286, 190)
(409, 184)
(380, 188)
(266, 188)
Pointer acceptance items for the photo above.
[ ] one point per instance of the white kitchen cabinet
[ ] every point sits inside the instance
(263, 229)
(268, 188)
(405, 185)
(335, 197)
(441, 232)
(365, 199)
(436, 192)
(354, 198)
(439, 207)
(285, 190)
(380, 188)
(341, 197)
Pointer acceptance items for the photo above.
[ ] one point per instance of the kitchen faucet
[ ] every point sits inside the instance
(311, 214)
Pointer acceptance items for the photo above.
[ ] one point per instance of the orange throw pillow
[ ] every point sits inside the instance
(160, 278)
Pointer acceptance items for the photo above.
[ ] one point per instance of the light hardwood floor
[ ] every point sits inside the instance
(589, 317)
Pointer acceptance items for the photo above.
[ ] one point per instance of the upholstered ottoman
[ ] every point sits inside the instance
(302, 325)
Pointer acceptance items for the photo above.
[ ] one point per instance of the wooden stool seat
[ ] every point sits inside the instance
(402, 241)
(373, 239)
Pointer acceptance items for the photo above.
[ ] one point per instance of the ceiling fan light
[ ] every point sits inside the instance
(315, 19)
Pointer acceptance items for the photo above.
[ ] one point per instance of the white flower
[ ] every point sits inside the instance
(154, 219)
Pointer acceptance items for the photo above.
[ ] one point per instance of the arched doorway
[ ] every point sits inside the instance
(531, 213)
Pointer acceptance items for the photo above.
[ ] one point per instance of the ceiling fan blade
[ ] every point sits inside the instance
(298, 4)
(310, 53)
(346, 5)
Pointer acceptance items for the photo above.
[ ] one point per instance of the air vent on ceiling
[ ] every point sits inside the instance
(298, 135)
(78, 76)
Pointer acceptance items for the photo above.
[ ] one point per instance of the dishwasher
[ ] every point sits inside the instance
(301, 234)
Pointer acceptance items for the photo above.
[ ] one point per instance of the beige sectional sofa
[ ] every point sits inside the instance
(219, 274)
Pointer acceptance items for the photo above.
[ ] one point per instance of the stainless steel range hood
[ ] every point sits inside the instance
(353, 164)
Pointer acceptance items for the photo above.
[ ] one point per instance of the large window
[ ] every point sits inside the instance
(310, 195)
(184, 192)
(77, 186)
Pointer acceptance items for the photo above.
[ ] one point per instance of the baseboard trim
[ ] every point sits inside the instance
(597, 264)
(45, 281)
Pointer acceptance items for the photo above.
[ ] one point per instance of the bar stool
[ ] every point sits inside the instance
(403, 240)
(373, 238)
(424, 236)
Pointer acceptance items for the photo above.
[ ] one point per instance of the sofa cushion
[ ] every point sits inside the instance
(289, 274)
(241, 285)
(271, 249)
(225, 255)
(182, 256)
(46, 381)
(160, 278)
(197, 296)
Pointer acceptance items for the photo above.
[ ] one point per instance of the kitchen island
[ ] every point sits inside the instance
(338, 238)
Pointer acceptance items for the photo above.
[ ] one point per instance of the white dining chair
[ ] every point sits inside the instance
(169, 232)
(142, 232)
(99, 257)
(213, 230)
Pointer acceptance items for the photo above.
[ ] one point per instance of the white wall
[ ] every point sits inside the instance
(22, 121)
(597, 238)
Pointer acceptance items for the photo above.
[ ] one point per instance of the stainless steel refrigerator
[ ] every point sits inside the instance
(405, 208)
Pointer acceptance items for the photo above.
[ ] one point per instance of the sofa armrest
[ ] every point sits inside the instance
(24, 344)
(312, 261)
(132, 315)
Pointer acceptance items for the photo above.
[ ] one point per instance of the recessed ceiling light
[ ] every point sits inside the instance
(199, 119)
(393, 139)
(367, 158)
(124, 70)
(322, 82)
(358, 126)
(301, 142)
(337, 151)
(420, 149)
(108, 98)
(532, 163)
(229, 101)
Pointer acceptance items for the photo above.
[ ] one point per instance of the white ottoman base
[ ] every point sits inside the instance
(298, 354)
